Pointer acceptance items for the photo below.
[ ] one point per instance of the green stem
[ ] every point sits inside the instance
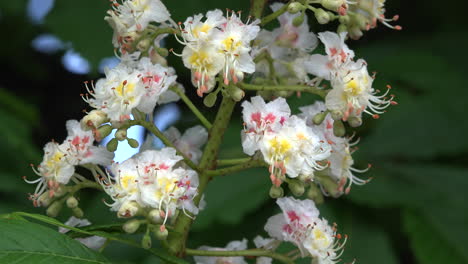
(236, 168)
(192, 107)
(227, 162)
(153, 129)
(86, 184)
(265, 55)
(295, 88)
(256, 7)
(177, 239)
(274, 15)
(247, 252)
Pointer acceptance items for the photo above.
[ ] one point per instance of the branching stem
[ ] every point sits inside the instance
(247, 252)
(192, 107)
(295, 88)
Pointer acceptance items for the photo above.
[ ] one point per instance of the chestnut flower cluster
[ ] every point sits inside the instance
(305, 153)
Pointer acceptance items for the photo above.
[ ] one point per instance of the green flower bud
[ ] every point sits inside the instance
(295, 7)
(143, 45)
(133, 142)
(94, 119)
(338, 128)
(276, 192)
(77, 212)
(121, 134)
(355, 121)
(235, 93)
(297, 21)
(155, 216)
(112, 145)
(162, 51)
(322, 16)
(161, 233)
(54, 209)
(72, 202)
(336, 115)
(103, 132)
(131, 226)
(210, 99)
(318, 118)
(333, 5)
(344, 20)
(329, 185)
(296, 187)
(44, 199)
(355, 32)
(146, 241)
(314, 193)
(342, 28)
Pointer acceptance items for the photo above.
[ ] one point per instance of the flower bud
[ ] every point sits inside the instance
(161, 233)
(77, 212)
(355, 32)
(318, 118)
(338, 128)
(355, 121)
(54, 209)
(296, 187)
(236, 93)
(276, 192)
(295, 7)
(344, 20)
(210, 99)
(93, 120)
(322, 16)
(128, 209)
(342, 28)
(329, 185)
(297, 21)
(162, 51)
(112, 145)
(44, 199)
(72, 202)
(133, 142)
(102, 132)
(131, 226)
(143, 44)
(121, 134)
(155, 216)
(336, 115)
(306, 179)
(314, 193)
(146, 241)
(333, 5)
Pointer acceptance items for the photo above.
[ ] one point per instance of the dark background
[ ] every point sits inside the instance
(413, 211)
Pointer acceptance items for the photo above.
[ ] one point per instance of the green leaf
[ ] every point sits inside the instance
(229, 198)
(429, 246)
(25, 242)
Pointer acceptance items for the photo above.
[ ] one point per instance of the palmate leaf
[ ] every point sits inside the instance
(25, 242)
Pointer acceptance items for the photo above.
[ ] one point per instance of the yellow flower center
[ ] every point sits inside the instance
(230, 44)
(280, 146)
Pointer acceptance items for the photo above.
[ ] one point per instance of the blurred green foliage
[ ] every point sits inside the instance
(413, 211)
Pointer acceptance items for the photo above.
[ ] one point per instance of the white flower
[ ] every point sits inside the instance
(196, 30)
(150, 179)
(156, 80)
(294, 222)
(300, 224)
(372, 11)
(190, 142)
(59, 161)
(117, 94)
(353, 94)
(233, 40)
(233, 245)
(92, 242)
(294, 150)
(260, 117)
(134, 16)
(205, 63)
(290, 36)
(338, 53)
